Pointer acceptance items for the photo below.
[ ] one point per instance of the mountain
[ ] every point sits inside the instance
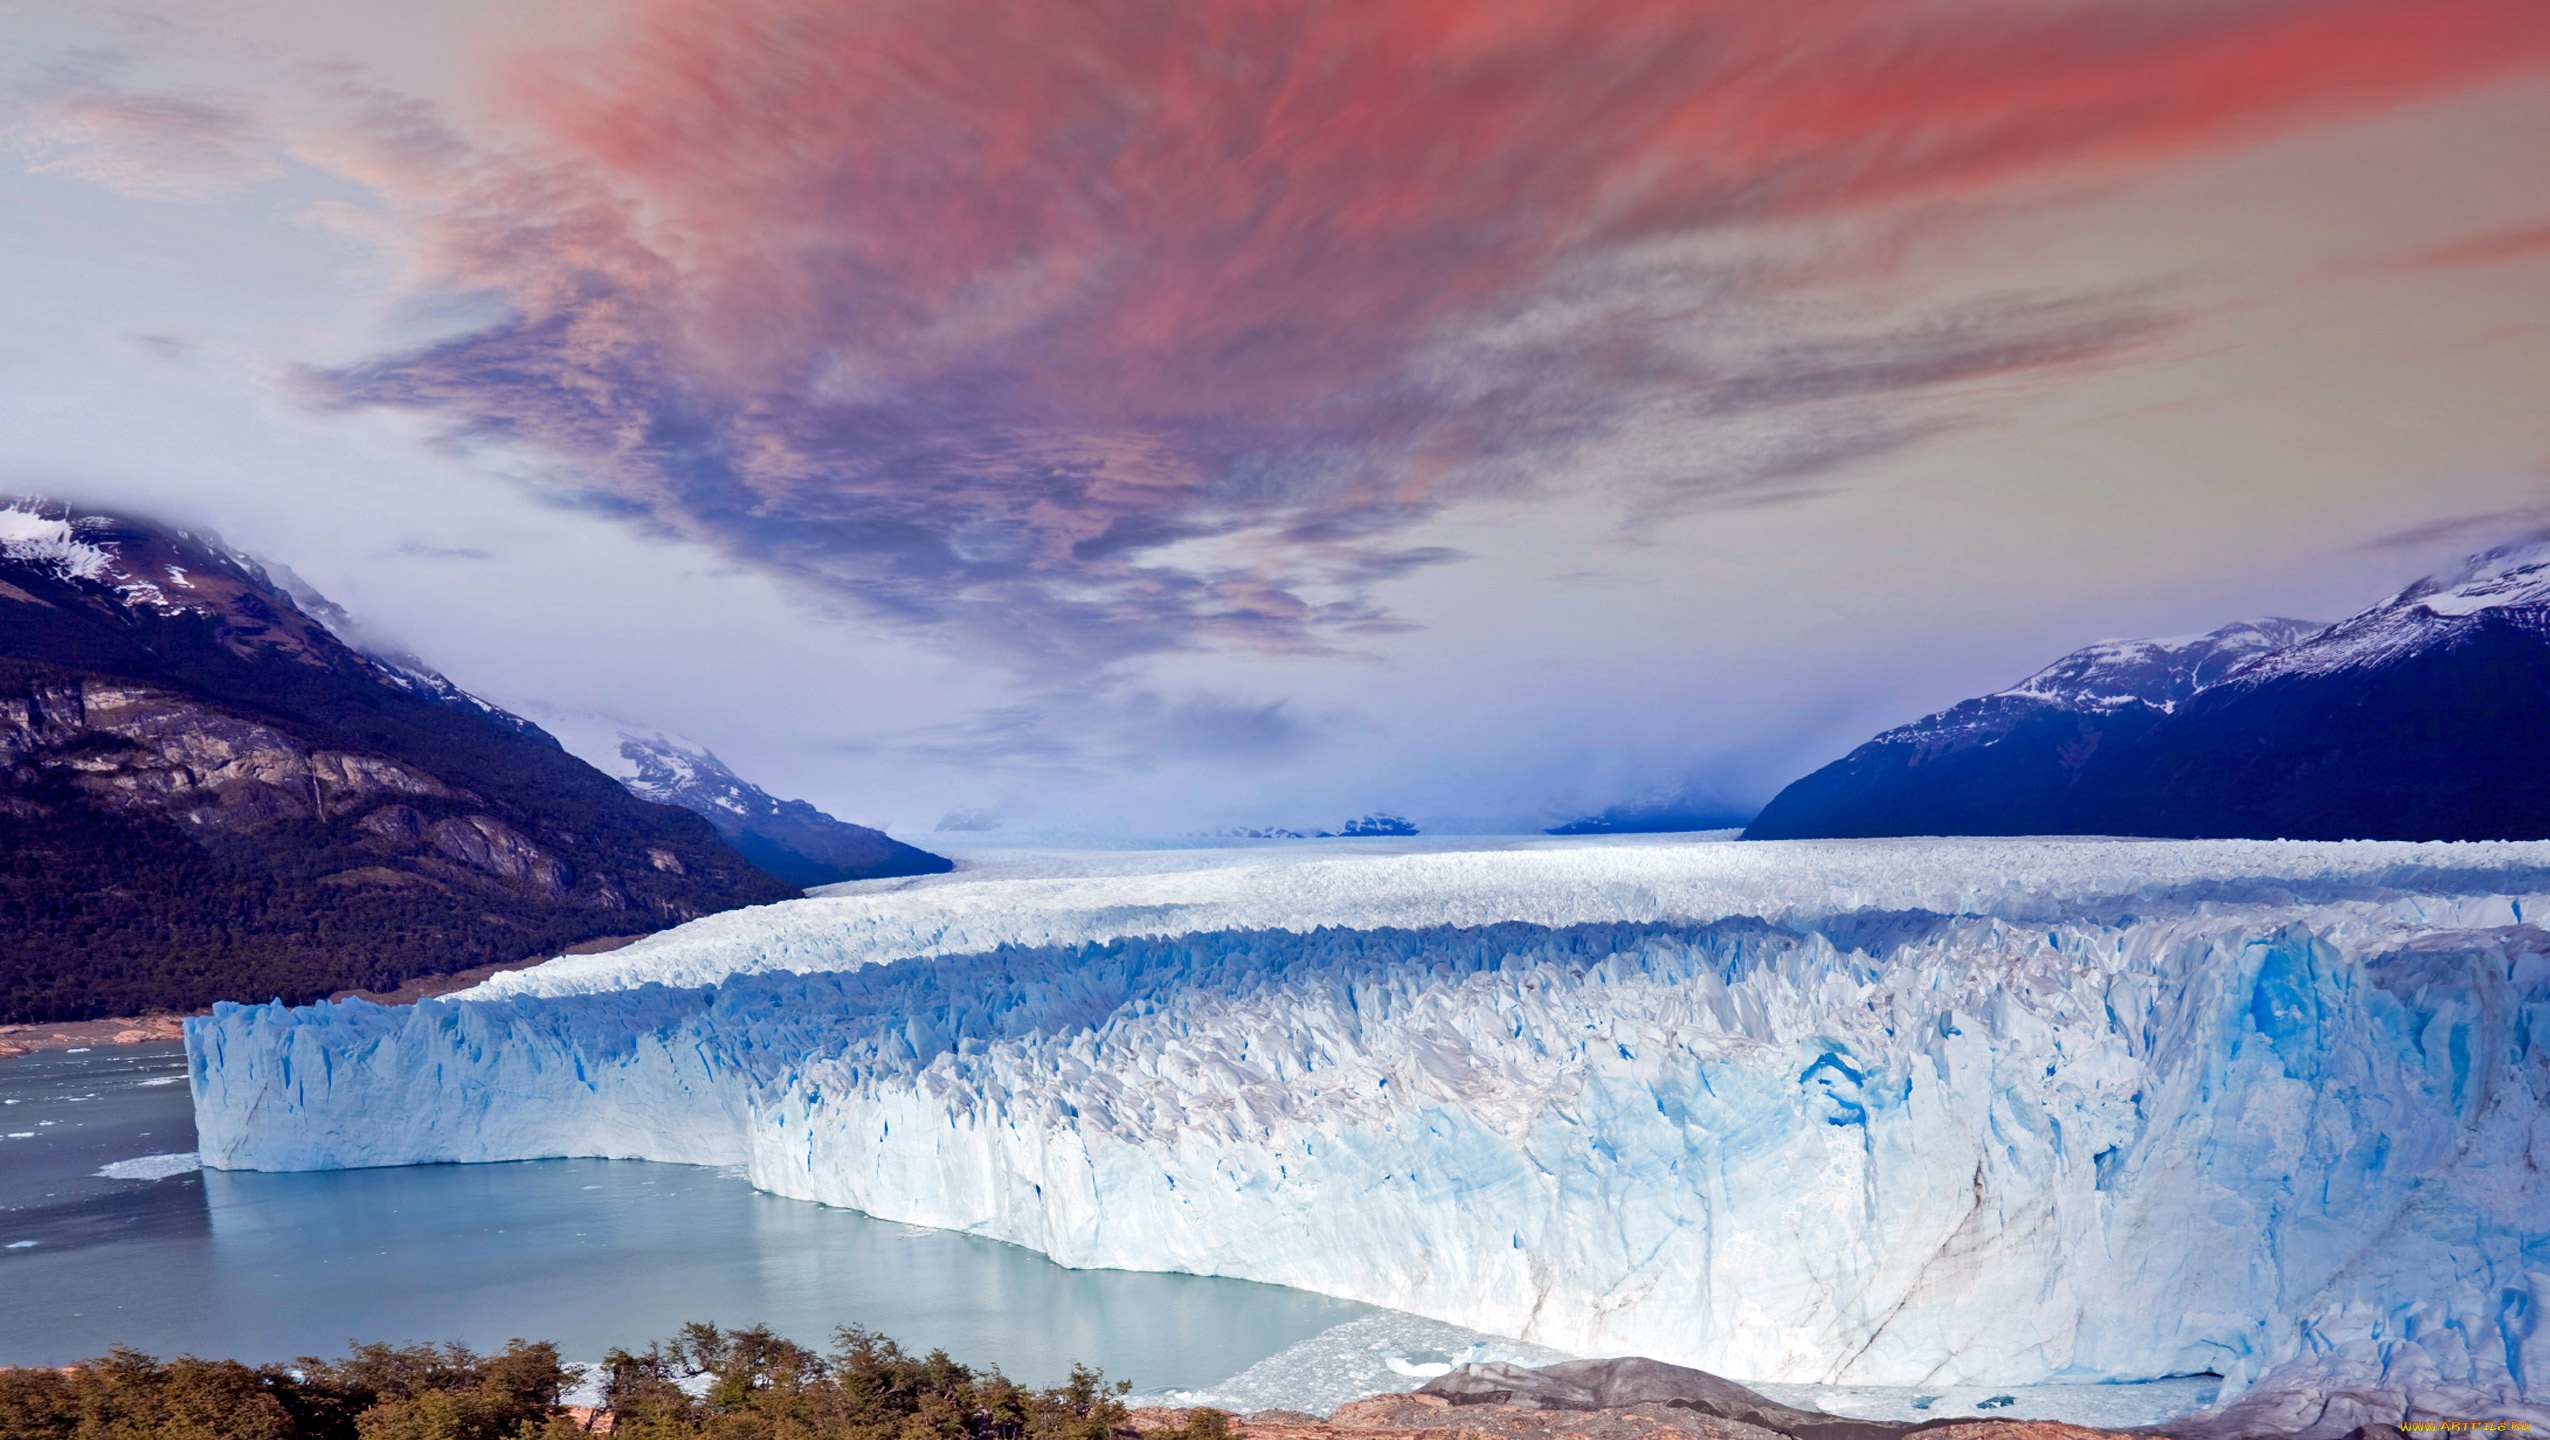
(206, 793)
(2425, 717)
(789, 838)
(2011, 763)
(2421, 718)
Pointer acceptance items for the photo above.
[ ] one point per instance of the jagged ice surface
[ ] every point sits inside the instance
(1882, 1113)
(1068, 898)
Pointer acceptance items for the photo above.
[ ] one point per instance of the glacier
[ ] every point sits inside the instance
(1887, 1113)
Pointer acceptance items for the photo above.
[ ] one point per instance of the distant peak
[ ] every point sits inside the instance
(789, 838)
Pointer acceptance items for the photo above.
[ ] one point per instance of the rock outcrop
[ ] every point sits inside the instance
(1630, 1399)
(1650, 1389)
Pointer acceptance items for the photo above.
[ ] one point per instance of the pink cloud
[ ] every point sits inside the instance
(160, 147)
(968, 308)
(2486, 249)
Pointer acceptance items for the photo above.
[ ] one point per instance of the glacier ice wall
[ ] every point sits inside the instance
(2292, 1129)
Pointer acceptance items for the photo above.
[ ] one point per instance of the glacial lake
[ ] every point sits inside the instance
(588, 1253)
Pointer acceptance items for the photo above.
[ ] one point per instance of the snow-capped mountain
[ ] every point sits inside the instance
(789, 838)
(2163, 673)
(175, 573)
(2010, 763)
(2103, 679)
(2421, 717)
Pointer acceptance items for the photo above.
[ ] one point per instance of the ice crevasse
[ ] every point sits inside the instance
(2288, 1126)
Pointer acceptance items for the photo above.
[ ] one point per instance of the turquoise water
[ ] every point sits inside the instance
(588, 1253)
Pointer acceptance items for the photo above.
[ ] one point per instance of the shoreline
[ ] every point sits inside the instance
(38, 1036)
(35, 1037)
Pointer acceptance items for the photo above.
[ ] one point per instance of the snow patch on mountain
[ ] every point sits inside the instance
(2511, 581)
(2163, 673)
(2166, 673)
(182, 572)
(30, 536)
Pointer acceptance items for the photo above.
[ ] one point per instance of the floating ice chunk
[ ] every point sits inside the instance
(1364, 1356)
(153, 1167)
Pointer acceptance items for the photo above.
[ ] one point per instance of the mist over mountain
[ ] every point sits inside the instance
(205, 793)
(1665, 810)
(789, 838)
(2420, 718)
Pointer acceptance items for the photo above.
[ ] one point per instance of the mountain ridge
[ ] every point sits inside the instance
(2415, 718)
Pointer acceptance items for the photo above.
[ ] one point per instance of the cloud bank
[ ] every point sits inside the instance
(1076, 333)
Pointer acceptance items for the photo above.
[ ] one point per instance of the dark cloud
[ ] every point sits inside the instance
(1768, 399)
(2495, 527)
(1216, 728)
(1001, 738)
(1117, 730)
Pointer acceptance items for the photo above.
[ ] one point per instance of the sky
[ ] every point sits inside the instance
(1151, 417)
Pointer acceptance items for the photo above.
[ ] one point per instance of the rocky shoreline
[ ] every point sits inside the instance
(1431, 1417)
(1640, 1399)
(1622, 1399)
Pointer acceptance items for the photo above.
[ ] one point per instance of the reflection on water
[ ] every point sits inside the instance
(589, 1253)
